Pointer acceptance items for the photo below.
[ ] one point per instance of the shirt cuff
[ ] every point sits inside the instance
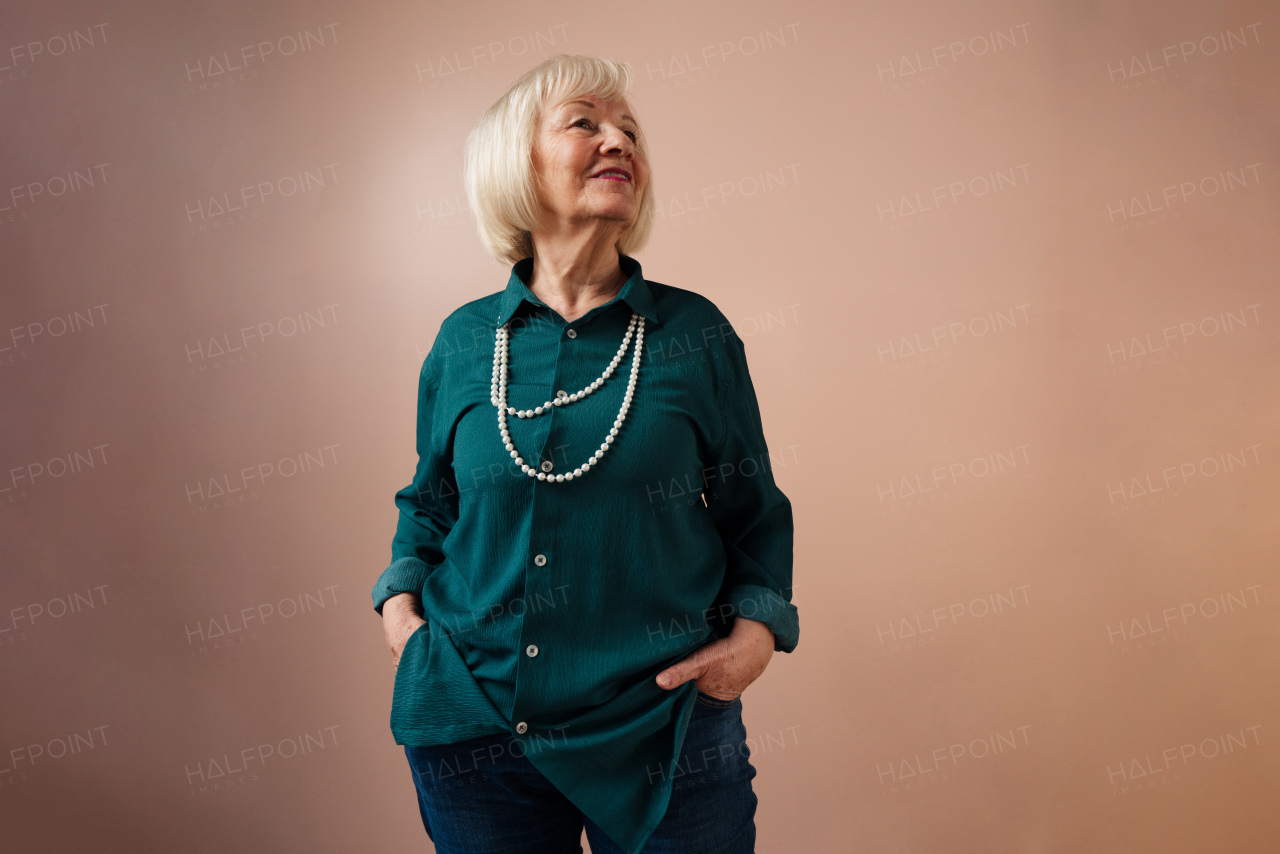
(406, 575)
(760, 603)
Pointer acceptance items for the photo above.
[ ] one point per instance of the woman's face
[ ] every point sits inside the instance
(586, 156)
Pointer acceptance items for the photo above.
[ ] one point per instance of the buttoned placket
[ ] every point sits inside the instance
(533, 579)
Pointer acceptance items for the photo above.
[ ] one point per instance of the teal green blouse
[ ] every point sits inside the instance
(552, 605)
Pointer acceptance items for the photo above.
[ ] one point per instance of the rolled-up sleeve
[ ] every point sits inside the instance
(428, 506)
(751, 513)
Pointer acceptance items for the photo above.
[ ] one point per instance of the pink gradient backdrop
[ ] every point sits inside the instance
(1005, 273)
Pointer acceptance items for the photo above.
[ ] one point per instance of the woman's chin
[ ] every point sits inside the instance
(614, 212)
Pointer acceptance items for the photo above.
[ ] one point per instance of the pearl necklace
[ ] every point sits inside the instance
(498, 397)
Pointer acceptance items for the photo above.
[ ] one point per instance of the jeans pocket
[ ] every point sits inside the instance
(715, 702)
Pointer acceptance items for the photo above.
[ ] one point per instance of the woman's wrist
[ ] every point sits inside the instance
(401, 605)
(747, 629)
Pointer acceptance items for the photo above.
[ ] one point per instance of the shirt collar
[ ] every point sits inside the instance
(635, 290)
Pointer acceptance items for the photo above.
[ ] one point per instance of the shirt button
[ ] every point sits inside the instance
(572, 333)
(522, 727)
(540, 560)
(531, 650)
(546, 465)
(562, 394)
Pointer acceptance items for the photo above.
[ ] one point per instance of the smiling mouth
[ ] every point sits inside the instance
(613, 175)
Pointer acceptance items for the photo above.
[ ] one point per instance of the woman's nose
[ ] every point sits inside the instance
(617, 140)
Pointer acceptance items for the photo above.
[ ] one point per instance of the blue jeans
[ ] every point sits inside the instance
(506, 806)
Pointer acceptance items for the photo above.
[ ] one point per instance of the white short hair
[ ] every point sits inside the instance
(498, 166)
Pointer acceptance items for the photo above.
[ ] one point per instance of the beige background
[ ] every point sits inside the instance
(1019, 255)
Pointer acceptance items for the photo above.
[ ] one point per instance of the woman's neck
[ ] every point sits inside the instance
(572, 280)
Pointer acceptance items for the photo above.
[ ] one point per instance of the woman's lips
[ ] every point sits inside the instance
(613, 174)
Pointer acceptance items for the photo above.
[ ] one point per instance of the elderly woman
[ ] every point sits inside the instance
(593, 560)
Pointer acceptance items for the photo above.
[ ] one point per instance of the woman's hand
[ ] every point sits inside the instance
(401, 617)
(726, 666)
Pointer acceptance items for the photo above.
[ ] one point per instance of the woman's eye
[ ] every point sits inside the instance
(632, 134)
